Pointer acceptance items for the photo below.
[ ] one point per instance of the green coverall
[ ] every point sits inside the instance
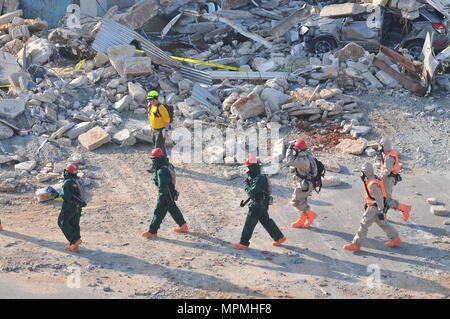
(69, 217)
(258, 205)
(165, 203)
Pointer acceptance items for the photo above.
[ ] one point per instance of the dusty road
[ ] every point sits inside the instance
(116, 262)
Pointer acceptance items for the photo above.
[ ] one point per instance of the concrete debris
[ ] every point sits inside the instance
(124, 138)
(331, 181)
(439, 210)
(432, 201)
(94, 138)
(248, 106)
(354, 147)
(11, 109)
(27, 166)
(5, 132)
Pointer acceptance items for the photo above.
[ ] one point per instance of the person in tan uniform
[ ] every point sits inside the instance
(375, 195)
(305, 169)
(390, 169)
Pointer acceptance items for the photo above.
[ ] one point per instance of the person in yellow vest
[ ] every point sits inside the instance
(159, 118)
(375, 195)
(390, 175)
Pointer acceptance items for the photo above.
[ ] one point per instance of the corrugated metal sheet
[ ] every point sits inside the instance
(50, 10)
(112, 33)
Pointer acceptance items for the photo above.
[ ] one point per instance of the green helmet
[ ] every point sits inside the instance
(152, 94)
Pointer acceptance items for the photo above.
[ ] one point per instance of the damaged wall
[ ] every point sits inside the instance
(39, 9)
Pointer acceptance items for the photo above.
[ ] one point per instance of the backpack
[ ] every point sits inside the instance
(173, 191)
(317, 180)
(169, 109)
(268, 193)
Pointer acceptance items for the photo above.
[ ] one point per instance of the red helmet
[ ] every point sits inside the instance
(72, 168)
(300, 144)
(157, 152)
(251, 159)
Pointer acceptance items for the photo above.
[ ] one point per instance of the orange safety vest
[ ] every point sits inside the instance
(397, 167)
(370, 199)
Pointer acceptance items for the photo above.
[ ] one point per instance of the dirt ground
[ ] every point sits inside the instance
(116, 262)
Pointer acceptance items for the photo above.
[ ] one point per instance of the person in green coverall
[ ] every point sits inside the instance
(69, 217)
(164, 178)
(257, 189)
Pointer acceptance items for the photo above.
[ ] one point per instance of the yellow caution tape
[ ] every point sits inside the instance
(5, 86)
(292, 67)
(76, 67)
(206, 63)
(58, 198)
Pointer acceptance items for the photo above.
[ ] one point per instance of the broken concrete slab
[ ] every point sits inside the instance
(124, 138)
(137, 92)
(38, 51)
(439, 210)
(345, 9)
(135, 66)
(118, 55)
(331, 181)
(139, 14)
(351, 51)
(12, 108)
(355, 147)
(79, 129)
(331, 165)
(27, 166)
(274, 98)
(432, 201)
(5, 132)
(94, 138)
(122, 104)
(8, 66)
(8, 17)
(79, 82)
(248, 106)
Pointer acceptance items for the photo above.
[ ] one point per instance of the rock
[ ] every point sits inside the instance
(351, 51)
(20, 31)
(8, 186)
(11, 108)
(360, 130)
(27, 166)
(9, 66)
(136, 92)
(79, 129)
(345, 9)
(432, 201)
(135, 66)
(139, 14)
(100, 59)
(374, 83)
(39, 51)
(386, 79)
(79, 82)
(331, 164)
(447, 230)
(9, 17)
(267, 66)
(42, 195)
(94, 138)
(228, 102)
(124, 138)
(329, 93)
(122, 104)
(118, 55)
(5, 132)
(370, 152)
(353, 116)
(355, 147)
(248, 106)
(327, 106)
(331, 181)
(274, 98)
(305, 94)
(361, 67)
(192, 112)
(439, 210)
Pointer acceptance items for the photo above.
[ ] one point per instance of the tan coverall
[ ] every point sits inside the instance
(306, 166)
(371, 215)
(388, 181)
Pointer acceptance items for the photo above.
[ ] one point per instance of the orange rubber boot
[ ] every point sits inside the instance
(239, 246)
(405, 209)
(1, 227)
(72, 248)
(300, 222)
(352, 247)
(181, 228)
(310, 218)
(77, 243)
(149, 235)
(393, 242)
(279, 241)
